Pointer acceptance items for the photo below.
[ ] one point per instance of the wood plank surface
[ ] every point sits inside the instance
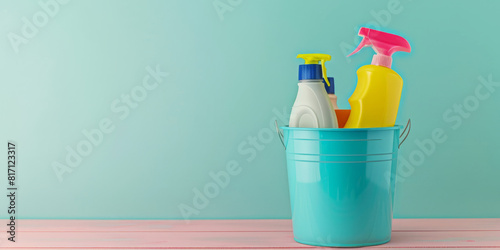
(235, 234)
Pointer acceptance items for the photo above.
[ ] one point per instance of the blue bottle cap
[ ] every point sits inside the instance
(331, 89)
(310, 71)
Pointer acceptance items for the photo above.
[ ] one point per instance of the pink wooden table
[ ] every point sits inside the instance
(234, 234)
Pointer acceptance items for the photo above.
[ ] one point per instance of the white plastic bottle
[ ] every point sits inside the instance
(312, 107)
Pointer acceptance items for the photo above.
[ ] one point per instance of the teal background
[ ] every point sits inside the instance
(226, 75)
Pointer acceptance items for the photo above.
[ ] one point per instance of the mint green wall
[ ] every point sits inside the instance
(229, 71)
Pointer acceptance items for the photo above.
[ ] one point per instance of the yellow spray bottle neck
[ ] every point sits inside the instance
(316, 59)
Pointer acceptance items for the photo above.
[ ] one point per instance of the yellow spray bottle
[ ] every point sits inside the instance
(375, 101)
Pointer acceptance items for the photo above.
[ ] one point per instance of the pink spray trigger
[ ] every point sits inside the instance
(384, 44)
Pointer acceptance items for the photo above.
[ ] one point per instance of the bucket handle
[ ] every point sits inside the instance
(280, 134)
(406, 130)
(408, 127)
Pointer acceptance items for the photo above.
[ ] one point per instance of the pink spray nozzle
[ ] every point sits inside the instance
(384, 44)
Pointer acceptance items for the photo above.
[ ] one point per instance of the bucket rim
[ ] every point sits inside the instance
(395, 127)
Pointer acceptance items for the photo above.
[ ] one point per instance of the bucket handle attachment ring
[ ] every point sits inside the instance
(280, 134)
(408, 127)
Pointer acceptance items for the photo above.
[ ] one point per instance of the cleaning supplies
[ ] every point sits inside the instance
(342, 114)
(312, 107)
(330, 90)
(375, 100)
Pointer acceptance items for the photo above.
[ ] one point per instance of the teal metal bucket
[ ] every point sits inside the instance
(341, 184)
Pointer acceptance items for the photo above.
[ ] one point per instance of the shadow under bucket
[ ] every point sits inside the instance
(341, 184)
